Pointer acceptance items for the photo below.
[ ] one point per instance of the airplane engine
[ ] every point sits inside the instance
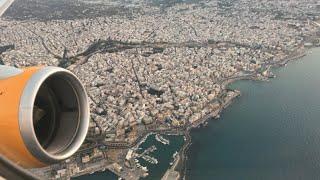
(44, 115)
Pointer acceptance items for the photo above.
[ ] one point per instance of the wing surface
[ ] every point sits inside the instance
(4, 4)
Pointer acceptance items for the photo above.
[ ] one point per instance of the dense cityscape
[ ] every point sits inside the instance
(155, 66)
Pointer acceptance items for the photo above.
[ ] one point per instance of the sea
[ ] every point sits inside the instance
(271, 132)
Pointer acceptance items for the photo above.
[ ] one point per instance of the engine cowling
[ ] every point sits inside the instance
(44, 115)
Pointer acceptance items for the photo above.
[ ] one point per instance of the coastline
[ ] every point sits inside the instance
(180, 164)
(258, 129)
(184, 150)
(224, 99)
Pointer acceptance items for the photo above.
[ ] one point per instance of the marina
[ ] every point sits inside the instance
(146, 157)
(164, 154)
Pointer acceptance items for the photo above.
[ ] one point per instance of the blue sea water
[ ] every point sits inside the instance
(271, 132)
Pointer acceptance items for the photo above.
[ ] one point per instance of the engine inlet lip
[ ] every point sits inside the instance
(26, 115)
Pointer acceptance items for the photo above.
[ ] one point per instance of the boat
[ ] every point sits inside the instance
(145, 174)
(150, 159)
(175, 154)
(162, 140)
(144, 168)
(138, 165)
(174, 158)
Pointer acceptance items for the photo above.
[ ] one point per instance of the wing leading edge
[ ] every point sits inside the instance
(4, 4)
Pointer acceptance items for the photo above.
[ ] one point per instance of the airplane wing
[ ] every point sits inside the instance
(4, 4)
(10, 170)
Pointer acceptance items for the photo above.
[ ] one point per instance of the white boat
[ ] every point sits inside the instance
(175, 154)
(150, 159)
(162, 140)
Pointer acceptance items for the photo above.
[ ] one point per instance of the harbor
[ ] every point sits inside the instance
(164, 154)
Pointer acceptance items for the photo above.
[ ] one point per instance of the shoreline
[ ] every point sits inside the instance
(180, 164)
(225, 98)
(186, 146)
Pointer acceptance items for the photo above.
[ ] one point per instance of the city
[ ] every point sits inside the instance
(157, 68)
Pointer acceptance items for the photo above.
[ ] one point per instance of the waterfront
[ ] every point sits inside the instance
(270, 132)
(98, 175)
(163, 154)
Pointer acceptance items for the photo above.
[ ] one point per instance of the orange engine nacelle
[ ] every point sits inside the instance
(44, 115)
